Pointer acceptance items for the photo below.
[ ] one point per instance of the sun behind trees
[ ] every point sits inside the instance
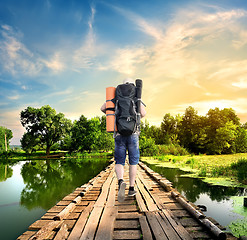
(219, 132)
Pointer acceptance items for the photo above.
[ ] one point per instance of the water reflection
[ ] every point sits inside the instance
(29, 188)
(47, 182)
(193, 188)
(5, 172)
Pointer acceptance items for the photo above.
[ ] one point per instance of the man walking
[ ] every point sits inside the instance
(124, 143)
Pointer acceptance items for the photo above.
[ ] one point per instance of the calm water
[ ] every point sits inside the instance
(217, 199)
(29, 188)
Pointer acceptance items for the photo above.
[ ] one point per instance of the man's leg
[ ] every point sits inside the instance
(120, 155)
(132, 175)
(119, 169)
(134, 155)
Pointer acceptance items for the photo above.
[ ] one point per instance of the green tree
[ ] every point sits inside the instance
(9, 135)
(222, 131)
(44, 124)
(169, 128)
(86, 134)
(30, 142)
(241, 140)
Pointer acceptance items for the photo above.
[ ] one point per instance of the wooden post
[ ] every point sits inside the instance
(6, 148)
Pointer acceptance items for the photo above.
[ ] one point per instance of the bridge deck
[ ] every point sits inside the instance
(157, 211)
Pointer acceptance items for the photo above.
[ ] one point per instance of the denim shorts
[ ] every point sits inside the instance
(124, 143)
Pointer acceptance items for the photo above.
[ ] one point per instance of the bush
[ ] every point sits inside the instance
(147, 146)
(172, 149)
(240, 167)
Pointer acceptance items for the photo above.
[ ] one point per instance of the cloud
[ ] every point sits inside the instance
(15, 57)
(143, 24)
(56, 63)
(239, 105)
(15, 97)
(194, 59)
(126, 60)
(10, 119)
(84, 56)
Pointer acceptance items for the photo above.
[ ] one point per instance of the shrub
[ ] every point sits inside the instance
(240, 167)
(147, 146)
(172, 149)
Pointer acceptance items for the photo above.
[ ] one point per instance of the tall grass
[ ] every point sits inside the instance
(240, 169)
(172, 149)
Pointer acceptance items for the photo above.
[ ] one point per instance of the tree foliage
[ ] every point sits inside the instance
(44, 127)
(219, 132)
(9, 135)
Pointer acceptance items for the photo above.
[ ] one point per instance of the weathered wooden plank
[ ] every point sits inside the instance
(46, 230)
(140, 201)
(167, 228)
(63, 203)
(127, 208)
(123, 224)
(79, 209)
(79, 226)
(48, 216)
(145, 182)
(155, 226)
(149, 201)
(112, 193)
(134, 215)
(73, 216)
(188, 222)
(62, 233)
(173, 206)
(65, 212)
(56, 209)
(127, 234)
(70, 197)
(106, 225)
(93, 221)
(146, 232)
(26, 235)
(176, 225)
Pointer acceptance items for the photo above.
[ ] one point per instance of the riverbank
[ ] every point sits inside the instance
(223, 170)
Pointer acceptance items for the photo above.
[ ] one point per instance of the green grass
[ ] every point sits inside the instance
(216, 169)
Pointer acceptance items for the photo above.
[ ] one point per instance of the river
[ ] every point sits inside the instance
(29, 188)
(224, 204)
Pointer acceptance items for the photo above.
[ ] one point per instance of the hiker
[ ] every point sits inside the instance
(125, 142)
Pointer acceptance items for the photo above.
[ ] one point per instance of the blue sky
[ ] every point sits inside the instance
(65, 53)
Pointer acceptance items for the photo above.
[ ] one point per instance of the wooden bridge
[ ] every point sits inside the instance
(157, 211)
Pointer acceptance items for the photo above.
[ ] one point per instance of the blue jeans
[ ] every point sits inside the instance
(124, 143)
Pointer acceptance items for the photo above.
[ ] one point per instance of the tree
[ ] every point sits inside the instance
(45, 125)
(86, 134)
(169, 127)
(222, 131)
(9, 135)
(30, 142)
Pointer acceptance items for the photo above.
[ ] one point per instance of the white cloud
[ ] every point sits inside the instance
(15, 97)
(56, 63)
(84, 56)
(15, 56)
(239, 105)
(242, 83)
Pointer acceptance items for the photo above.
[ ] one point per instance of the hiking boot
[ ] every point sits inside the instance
(121, 192)
(131, 193)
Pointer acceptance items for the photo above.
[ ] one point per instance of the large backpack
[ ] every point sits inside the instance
(125, 109)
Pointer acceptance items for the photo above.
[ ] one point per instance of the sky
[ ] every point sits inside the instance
(64, 53)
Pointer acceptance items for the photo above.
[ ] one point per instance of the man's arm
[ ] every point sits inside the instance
(143, 111)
